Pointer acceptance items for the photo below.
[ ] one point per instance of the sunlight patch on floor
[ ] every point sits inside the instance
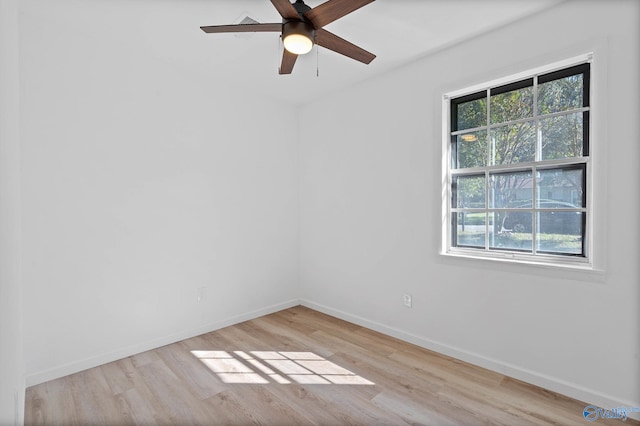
(282, 367)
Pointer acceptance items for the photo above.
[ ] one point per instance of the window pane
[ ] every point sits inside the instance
(560, 95)
(511, 190)
(560, 232)
(468, 191)
(518, 222)
(561, 188)
(562, 136)
(514, 143)
(512, 105)
(471, 150)
(514, 233)
(470, 229)
(471, 114)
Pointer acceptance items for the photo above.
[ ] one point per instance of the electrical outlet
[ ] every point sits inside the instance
(407, 300)
(201, 292)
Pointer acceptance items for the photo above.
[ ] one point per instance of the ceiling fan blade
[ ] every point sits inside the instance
(243, 28)
(288, 61)
(333, 9)
(332, 42)
(285, 9)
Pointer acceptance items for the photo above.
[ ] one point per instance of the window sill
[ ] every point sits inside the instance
(576, 270)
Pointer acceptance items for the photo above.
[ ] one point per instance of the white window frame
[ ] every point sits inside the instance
(577, 262)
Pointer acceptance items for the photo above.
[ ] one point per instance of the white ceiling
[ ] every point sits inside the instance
(397, 31)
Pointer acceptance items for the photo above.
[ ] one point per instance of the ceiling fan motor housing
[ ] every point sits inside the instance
(295, 26)
(300, 7)
(302, 26)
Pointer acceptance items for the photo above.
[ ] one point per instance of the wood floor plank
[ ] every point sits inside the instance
(287, 335)
(120, 375)
(50, 403)
(93, 400)
(266, 407)
(173, 396)
(295, 367)
(412, 411)
(230, 410)
(179, 358)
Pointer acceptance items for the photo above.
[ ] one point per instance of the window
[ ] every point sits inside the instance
(518, 168)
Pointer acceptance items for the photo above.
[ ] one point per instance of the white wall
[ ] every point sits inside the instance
(371, 216)
(11, 346)
(142, 181)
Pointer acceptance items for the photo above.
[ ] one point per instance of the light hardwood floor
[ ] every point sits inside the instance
(295, 367)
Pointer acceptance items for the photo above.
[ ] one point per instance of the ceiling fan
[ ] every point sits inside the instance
(302, 26)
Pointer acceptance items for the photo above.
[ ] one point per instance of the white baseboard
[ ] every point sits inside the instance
(589, 396)
(94, 361)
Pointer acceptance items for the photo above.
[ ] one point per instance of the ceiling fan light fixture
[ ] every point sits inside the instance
(298, 44)
(298, 36)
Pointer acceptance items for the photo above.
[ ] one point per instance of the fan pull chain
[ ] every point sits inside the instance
(317, 60)
(278, 52)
